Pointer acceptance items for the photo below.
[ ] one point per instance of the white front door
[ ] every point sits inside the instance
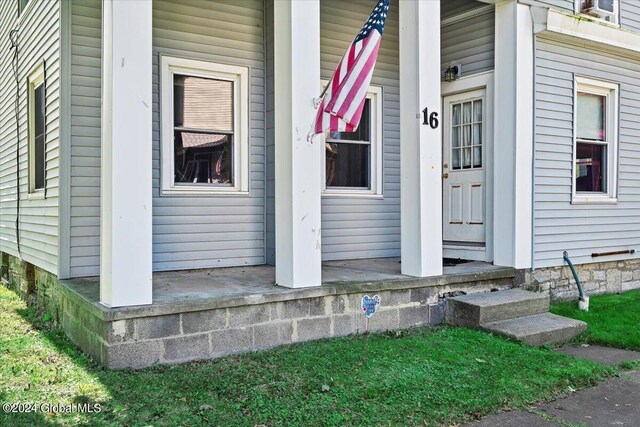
(464, 174)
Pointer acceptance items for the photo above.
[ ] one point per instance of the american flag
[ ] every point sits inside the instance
(341, 106)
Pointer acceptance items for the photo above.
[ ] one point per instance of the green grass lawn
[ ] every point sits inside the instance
(429, 376)
(614, 320)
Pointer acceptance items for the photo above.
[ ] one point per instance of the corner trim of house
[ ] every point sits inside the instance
(557, 24)
(64, 207)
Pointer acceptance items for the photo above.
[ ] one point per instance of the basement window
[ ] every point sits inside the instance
(37, 132)
(595, 159)
(204, 127)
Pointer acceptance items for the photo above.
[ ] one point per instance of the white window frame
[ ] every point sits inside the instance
(35, 79)
(610, 91)
(374, 94)
(616, 13)
(240, 77)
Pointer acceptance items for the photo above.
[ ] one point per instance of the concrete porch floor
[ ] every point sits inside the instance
(175, 291)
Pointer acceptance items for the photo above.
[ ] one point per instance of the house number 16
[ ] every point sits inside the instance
(430, 119)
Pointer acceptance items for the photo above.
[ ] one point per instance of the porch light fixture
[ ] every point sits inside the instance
(452, 73)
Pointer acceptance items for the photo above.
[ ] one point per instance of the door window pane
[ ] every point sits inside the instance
(591, 165)
(591, 117)
(466, 135)
(347, 165)
(456, 114)
(455, 137)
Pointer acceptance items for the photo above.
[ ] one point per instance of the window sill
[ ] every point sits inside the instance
(36, 195)
(597, 20)
(360, 194)
(594, 200)
(211, 191)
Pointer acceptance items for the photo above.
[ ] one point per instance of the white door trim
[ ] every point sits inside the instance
(467, 84)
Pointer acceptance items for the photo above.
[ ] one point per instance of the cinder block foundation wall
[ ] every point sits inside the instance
(596, 278)
(139, 337)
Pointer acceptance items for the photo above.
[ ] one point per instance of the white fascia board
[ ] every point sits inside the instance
(589, 31)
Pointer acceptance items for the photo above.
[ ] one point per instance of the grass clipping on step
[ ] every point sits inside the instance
(429, 376)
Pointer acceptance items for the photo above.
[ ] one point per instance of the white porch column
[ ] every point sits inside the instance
(513, 163)
(420, 144)
(125, 211)
(297, 161)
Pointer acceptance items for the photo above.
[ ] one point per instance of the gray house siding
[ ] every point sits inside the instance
(630, 14)
(85, 78)
(188, 232)
(39, 40)
(558, 225)
(364, 227)
(470, 43)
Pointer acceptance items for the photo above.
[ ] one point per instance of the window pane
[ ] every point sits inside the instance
(591, 167)
(455, 137)
(477, 110)
(347, 165)
(477, 134)
(466, 158)
(38, 110)
(39, 161)
(591, 116)
(39, 136)
(477, 157)
(466, 135)
(455, 159)
(606, 5)
(203, 158)
(364, 129)
(456, 114)
(201, 103)
(466, 112)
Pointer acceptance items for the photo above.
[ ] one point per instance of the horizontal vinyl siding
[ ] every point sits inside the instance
(471, 43)
(558, 225)
(360, 227)
(212, 231)
(564, 5)
(188, 232)
(39, 40)
(630, 14)
(451, 8)
(86, 28)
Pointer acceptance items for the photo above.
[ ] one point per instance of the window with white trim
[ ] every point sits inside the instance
(353, 160)
(205, 127)
(37, 147)
(604, 10)
(595, 158)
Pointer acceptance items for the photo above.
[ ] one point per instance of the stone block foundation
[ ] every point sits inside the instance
(596, 278)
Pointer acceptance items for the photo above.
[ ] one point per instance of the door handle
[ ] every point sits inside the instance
(445, 176)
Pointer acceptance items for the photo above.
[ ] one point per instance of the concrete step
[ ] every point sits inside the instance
(475, 309)
(538, 329)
